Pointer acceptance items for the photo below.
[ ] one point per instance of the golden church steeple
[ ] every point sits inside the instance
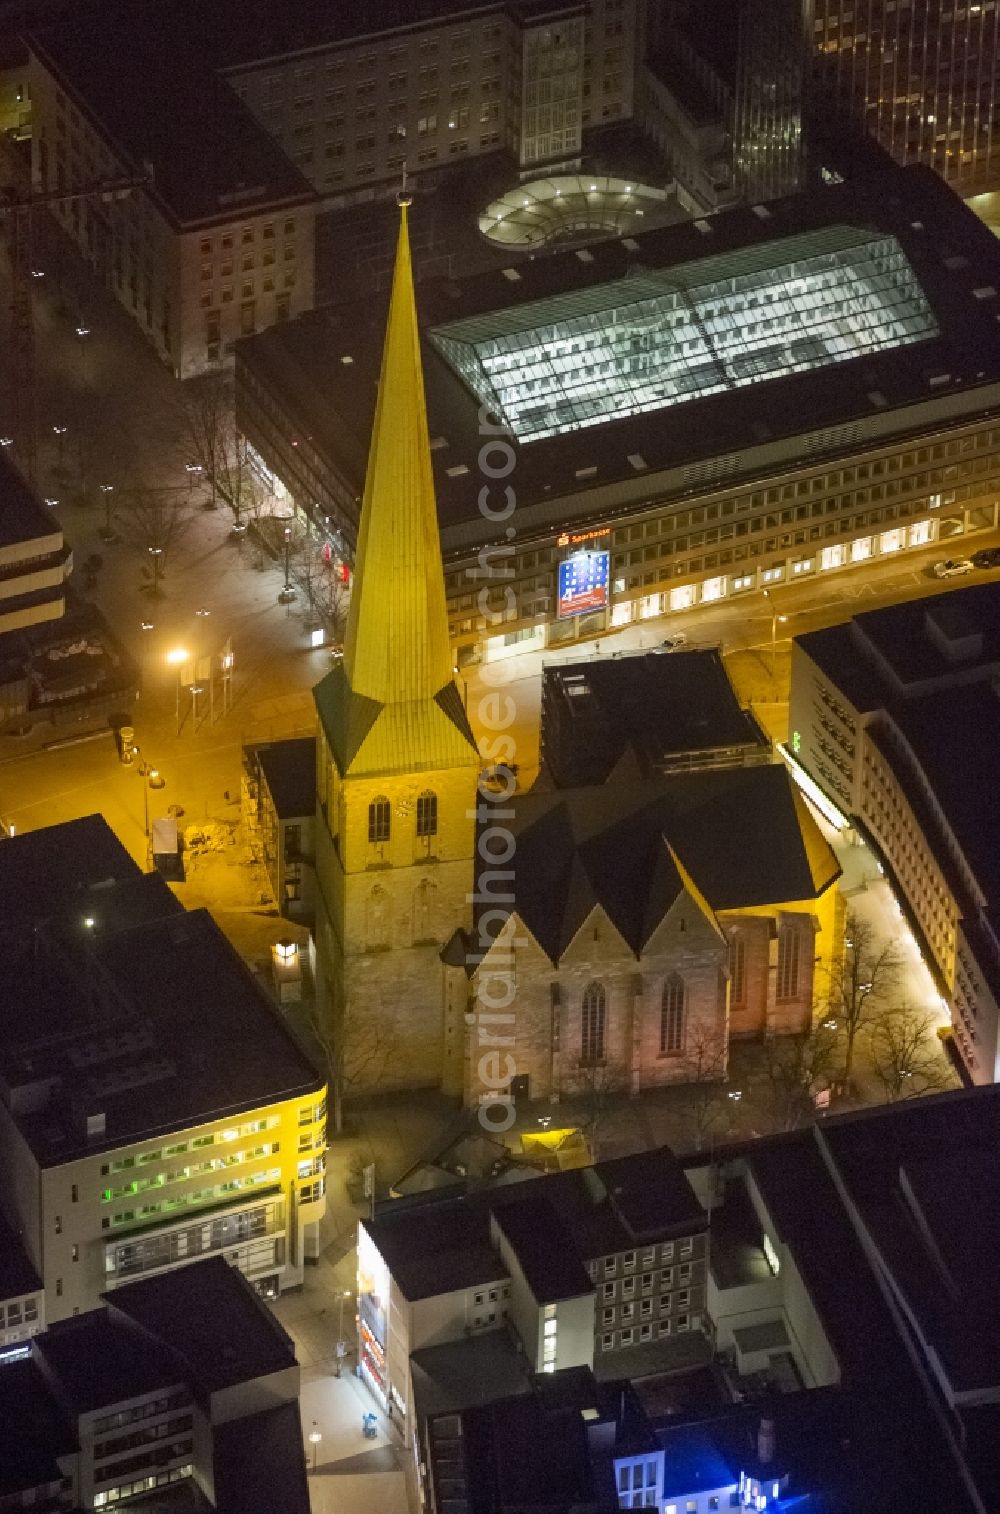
(393, 706)
(397, 646)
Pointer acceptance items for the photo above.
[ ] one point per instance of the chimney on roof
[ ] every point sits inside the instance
(765, 1442)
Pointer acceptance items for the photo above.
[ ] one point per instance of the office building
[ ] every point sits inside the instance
(22, 1301)
(35, 559)
(216, 240)
(654, 473)
(871, 1383)
(352, 94)
(180, 1391)
(279, 809)
(154, 1109)
(921, 76)
(894, 715)
(771, 97)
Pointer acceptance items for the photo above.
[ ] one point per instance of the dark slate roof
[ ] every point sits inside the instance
(552, 1268)
(657, 707)
(35, 1429)
(289, 768)
(647, 1186)
(98, 1359)
(259, 1464)
(155, 100)
(743, 835)
(17, 1275)
(212, 1319)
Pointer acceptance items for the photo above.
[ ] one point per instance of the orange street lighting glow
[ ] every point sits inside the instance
(177, 655)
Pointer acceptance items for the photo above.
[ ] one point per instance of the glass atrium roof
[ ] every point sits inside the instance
(658, 337)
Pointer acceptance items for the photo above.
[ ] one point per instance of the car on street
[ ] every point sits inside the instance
(987, 557)
(952, 567)
(672, 643)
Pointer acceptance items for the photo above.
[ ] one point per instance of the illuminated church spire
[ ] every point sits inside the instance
(397, 647)
(393, 706)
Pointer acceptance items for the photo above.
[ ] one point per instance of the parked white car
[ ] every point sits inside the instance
(952, 567)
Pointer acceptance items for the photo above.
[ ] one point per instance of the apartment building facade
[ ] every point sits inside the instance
(216, 238)
(360, 99)
(891, 716)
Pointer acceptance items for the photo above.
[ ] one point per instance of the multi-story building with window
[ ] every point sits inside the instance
(603, 1266)
(686, 416)
(921, 76)
(217, 241)
(362, 93)
(895, 716)
(154, 1108)
(186, 1390)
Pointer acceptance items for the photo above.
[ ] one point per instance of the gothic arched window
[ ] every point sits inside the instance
(427, 813)
(737, 970)
(788, 962)
(379, 819)
(423, 912)
(672, 1012)
(592, 1023)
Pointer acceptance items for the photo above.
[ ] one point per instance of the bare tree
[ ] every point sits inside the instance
(206, 408)
(153, 522)
(862, 983)
(215, 444)
(325, 595)
(594, 1087)
(907, 1057)
(704, 1068)
(797, 1068)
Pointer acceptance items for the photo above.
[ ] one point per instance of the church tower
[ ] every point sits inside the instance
(397, 762)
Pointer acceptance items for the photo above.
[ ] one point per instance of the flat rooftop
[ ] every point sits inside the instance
(35, 1429)
(212, 1319)
(17, 1275)
(99, 1360)
(23, 518)
(435, 1245)
(151, 95)
(661, 708)
(909, 649)
(289, 768)
(748, 296)
(123, 1005)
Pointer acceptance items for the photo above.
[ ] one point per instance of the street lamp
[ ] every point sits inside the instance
(314, 1439)
(341, 1343)
(59, 432)
(287, 592)
(107, 490)
(775, 620)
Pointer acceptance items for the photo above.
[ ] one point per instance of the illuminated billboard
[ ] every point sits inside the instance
(583, 583)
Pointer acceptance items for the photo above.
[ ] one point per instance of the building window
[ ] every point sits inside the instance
(737, 970)
(788, 962)
(427, 814)
(592, 1023)
(379, 819)
(672, 1017)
